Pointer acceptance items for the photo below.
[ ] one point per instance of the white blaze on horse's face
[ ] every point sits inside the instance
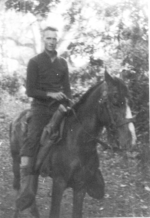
(130, 125)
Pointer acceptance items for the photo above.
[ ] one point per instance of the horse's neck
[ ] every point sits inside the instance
(87, 116)
(82, 126)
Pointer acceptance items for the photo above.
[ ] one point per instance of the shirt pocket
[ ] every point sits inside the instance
(58, 72)
(43, 72)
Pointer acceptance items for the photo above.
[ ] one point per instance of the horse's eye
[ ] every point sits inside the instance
(116, 101)
(115, 98)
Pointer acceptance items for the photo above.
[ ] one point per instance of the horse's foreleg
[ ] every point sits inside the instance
(78, 197)
(34, 210)
(59, 186)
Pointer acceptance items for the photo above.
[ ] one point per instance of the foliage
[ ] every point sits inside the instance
(120, 30)
(139, 90)
(97, 32)
(36, 7)
(10, 84)
(13, 85)
(83, 78)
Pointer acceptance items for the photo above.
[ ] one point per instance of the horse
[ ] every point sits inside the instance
(73, 162)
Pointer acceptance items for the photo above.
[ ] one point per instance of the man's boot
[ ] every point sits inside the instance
(27, 194)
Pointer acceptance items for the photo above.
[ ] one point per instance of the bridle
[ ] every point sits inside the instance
(113, 125)
(92, 138)
(103, 100)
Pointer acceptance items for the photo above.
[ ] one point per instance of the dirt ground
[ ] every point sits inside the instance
(127, 187)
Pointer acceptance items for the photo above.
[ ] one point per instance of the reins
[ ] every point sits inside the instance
(113, 123)
(104, 144)
(101, 102)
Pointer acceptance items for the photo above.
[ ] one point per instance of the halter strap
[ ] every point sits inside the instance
(104, 144)
(104, 100)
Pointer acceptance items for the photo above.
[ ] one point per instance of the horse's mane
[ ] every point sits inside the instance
(119, 83)
(86, 95)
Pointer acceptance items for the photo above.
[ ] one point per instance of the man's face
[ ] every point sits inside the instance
(50, 40)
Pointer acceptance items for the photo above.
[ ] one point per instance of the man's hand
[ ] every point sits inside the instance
(57, 95)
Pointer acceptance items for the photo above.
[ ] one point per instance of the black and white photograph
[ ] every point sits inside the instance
(74, 109)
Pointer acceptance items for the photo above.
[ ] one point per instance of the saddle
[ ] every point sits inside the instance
(26, 118)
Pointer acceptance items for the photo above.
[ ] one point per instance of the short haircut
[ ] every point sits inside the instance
(51, 29)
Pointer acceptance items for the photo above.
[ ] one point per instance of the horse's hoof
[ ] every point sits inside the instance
(25, 201)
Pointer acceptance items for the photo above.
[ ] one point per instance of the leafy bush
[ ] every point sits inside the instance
(10, 83)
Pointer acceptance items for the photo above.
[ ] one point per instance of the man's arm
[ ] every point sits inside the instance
(31, 84)
(32, 81)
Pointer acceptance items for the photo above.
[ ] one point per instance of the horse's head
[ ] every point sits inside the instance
(116, 112)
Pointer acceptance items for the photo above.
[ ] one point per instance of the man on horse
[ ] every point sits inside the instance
(48, 84)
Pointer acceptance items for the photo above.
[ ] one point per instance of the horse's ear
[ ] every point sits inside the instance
(108, 78)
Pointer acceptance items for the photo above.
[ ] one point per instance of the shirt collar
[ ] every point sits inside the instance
(49, 55)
